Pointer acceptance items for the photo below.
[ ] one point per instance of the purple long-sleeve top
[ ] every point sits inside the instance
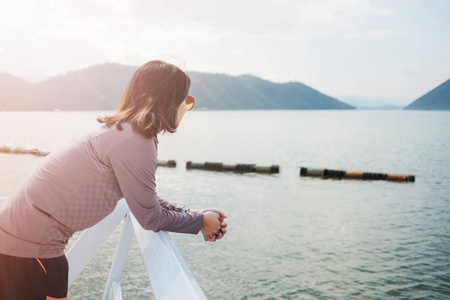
(77, 186)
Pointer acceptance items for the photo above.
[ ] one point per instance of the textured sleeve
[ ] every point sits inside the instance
(134, 163)
(169, 205)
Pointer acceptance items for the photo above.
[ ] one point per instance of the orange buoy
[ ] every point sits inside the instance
(16, 150)
(327, 173)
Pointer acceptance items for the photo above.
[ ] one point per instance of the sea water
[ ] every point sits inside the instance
(289, 237)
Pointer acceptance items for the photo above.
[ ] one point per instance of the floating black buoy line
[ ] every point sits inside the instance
(18, 150)
(246, 168)
(242, 168)
(167, 163)
(327, 173)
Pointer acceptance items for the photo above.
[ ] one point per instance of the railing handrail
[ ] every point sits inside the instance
(169, 274)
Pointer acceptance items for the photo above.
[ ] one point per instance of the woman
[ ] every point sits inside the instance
(79, 185)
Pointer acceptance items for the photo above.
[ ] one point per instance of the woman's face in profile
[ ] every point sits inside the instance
(180, 113)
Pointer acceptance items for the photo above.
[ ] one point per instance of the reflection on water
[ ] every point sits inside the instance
(290, 237)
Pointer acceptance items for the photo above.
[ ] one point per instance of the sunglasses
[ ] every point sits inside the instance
(189, 102)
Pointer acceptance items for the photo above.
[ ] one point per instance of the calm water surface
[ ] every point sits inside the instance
(290, 237)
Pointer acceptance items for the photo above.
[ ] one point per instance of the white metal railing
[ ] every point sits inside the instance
(169, 274)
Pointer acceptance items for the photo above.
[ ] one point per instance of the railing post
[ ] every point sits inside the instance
(116, 291)
(169, 274)
(120, 257)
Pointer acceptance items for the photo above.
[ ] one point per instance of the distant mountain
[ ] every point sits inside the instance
(98, 87)
(388, 107)
(375, 103)
(13, 92)
(383, 107)
(219, 91)
(436, 99)
(101, 87)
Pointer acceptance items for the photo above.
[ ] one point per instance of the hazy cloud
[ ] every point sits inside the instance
(412, 70)
(336, 46)
(374, 34)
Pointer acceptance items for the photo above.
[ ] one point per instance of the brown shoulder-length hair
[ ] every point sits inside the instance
(151, 100)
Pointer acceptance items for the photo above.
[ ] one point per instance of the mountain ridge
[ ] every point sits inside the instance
(436, 99)
(100, 87)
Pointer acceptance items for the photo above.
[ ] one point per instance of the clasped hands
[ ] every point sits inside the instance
(214, 226)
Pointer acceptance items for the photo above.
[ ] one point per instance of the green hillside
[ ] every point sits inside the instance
(13, 92)
(436, 99)
(101, 87)
(219, 91)
(96, 88)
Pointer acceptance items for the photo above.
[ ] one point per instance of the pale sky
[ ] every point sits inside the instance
(368, 48)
